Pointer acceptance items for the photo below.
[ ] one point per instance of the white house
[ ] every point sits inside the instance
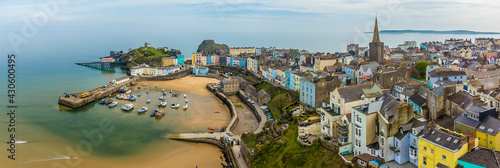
(136, 72)
(120, 80)
(366, 71)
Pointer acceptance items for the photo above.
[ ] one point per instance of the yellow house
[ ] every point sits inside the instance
(442, 148)
(193, 58)
(242, 50)
(487, 133)
(149, 71)
(169, 61)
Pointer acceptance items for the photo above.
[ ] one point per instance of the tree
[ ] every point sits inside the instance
(279, 102)
(421, 67)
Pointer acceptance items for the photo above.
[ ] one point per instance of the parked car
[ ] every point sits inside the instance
(229, 133)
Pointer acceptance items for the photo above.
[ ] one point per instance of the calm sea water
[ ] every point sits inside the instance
(46, 69)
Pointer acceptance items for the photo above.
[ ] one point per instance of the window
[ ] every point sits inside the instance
(490, 143)
(396, 144)
(415, 142)
(432, 150)
(382, 139)
(425, 149)
(382, 153)
(478, 138)
(358, 143)
(444, 157)
(372, 151)
(358, 131)
(425, 160)
(358, 119)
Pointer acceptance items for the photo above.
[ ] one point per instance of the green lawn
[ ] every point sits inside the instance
(149, 55)
(284, 151)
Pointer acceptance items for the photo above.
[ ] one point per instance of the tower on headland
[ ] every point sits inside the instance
(376, 46)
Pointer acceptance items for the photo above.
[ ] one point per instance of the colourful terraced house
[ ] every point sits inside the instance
(487, 133)
(442, 148)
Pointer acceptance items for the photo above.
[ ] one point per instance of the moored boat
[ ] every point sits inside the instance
(108, 101)
(133, 83)
(127, 107)
(149, 100)
(103, 101)
(211, 128)
(159, 113)
(129, 91)
(161, 97)
(147, 91)
(164, 93)
(113, 104)
(132, 98)
(186, 101)
(175, 105)
(142, 110)
(185, 96)
(123, 89)
(185, 106)
(153, 113)
(162, 104)
(162, 90)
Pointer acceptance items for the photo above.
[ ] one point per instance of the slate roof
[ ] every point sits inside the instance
(467, 121)
(367, 157)
(408, 92)
(462, 99)
(490, 126)
(406, 128)
(482, 157)
(418, 99)
(438, 91)
(446, 73)
(372, 66)
(444, 139)
(389, 107)
(353, 93)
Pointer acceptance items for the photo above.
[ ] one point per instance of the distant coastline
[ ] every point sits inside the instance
(433, 32)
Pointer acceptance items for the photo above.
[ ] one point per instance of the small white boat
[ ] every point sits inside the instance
(147, 91)
(186, 101)
(162, 90)
(175, 105)
(127, 107)
(161, 97)
(149, 100)
(156, 85)
(113, 104)
(129, 91)
(185, 96)
(185, 106)
(170, 91)
(162, 104)
(145, 85)
(142, 110)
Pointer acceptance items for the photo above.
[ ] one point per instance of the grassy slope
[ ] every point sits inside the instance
(149, 55)
(284, 151)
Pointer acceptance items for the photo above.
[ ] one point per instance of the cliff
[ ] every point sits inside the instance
(209, 47)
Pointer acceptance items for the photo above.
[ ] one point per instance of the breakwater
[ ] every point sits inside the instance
(77, 100)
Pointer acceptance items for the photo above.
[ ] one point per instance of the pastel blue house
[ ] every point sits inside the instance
(243, 62)
(200, 71)
(418, 102)
(180, 60)
(292, 81)
(231, 60)
(455, 76)
(406, 141)
(274, 73)
(349, 70)
(209, 59)
(287, 79)
(307, 91)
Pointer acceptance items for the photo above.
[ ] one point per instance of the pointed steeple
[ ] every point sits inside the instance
(376, 37)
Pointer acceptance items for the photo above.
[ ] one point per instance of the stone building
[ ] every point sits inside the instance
(230, 87)
(376, 51)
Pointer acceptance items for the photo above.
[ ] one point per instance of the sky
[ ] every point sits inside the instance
(243, 18)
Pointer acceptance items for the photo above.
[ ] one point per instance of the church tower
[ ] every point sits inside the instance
(376, 46)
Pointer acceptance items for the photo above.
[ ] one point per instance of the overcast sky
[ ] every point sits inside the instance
(249, 16)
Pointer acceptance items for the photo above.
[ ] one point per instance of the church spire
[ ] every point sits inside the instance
(376, 37)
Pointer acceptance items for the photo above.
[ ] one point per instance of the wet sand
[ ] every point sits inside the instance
(48, 149)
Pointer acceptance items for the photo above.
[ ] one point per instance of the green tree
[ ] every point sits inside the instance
(278, 103)
(421, 66)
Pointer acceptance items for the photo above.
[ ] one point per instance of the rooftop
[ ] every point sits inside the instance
(446, 73)
(444, 139)
(482, 157)
(490, 126)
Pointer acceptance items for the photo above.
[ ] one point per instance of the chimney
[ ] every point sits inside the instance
(471, 141)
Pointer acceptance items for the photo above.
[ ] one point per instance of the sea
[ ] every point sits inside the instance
(52, 135)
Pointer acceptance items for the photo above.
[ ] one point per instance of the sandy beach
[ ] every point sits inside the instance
(196, 85)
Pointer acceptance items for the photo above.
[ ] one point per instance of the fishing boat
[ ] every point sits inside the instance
(149, 100)
(142, 110)
(161, 97)
(185, 106)
(163, 90)
(113, 104)
(153, 113)
(123, 89)
(185, 96)
(103, 101)
(127, 107)
(132, 98)
(175, 105)
(108, 101)
(164, 93)
(159, 113)
(186, 101)
(162, 104)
